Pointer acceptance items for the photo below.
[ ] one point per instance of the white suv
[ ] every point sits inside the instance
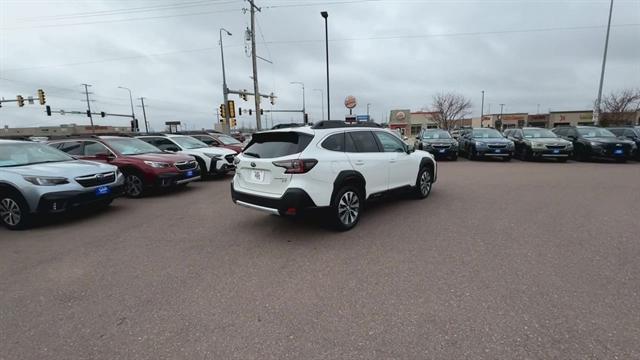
(215, 161)
(330, 165)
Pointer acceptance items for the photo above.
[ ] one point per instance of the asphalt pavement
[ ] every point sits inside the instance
(503, 261)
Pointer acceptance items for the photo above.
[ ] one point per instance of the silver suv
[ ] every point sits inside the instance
(36, 178)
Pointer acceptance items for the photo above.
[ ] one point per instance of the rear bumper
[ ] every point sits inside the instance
(291, 202)
(67, 200)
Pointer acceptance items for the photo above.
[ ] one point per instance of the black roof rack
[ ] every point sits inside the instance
(284, 126)
(334, 124)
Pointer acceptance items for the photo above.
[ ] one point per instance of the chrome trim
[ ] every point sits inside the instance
(258, 207)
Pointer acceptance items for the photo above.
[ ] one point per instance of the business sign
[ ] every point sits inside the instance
(350, 102)
(350, 119)
(361, 118)
(401, 116)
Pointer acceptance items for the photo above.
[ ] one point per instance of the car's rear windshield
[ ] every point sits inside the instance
(276, 144)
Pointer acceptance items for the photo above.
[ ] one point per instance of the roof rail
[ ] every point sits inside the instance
(284, 126)
(334, 124)
(88, 136)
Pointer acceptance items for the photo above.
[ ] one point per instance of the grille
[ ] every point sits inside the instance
(616, 146)
(96, 179)
(555, 147)
(229, 158)
(441, 146)
(497, 146)
(186, 165)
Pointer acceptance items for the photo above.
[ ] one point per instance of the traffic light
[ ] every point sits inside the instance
(103, 114)
(233, 122)
(223, 112)
(20, 100)
(48, 110)
(232, 108)
(41, 97)
(272, 99)
(243, 95)
(250, 111)
(239, 111)
(261, 112)
(88, 113)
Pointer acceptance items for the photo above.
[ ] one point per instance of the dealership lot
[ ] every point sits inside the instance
(503, 260)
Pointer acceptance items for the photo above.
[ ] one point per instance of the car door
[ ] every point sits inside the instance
(366, 158)
(401, 168)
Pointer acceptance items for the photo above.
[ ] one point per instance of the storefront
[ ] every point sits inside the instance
(539, 120)
(570, 118)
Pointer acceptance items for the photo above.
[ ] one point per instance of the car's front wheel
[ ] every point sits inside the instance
(424, 183)
(14, 212)
(133, 185)
(346, 208)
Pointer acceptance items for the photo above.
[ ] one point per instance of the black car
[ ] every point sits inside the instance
(486, 142)
(594, 142)
(631, 133)
(536, 143)
(437, 142)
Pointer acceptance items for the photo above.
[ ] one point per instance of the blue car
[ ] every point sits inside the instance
(479, 143)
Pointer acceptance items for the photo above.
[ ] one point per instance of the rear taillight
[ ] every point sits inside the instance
(296, 166)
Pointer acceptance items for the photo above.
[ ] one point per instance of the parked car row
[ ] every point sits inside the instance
(529, 143)
(72, 172)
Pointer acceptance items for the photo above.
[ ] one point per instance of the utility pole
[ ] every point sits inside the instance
(256, 90)
(482, 110)
(325, 15)
(368, 105)
(86, 92)
(225, 89)
(144, 113)
(501, 124)
(596, 110)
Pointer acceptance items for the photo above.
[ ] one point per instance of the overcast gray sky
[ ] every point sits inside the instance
(389, 53)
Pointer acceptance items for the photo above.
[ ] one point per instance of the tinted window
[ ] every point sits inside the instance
(128, 146)
(72, 147)
(92, 148)
(163, 144)
(389, 142)
(560, 131)
(276, 144)
(364, 141)
(206, 139)
(349, 145)
(334, 142)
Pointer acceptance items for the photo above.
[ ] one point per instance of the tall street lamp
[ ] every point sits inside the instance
(321, 101)
(133, 115)
(225, 90)
(325, 15)
(304, 109)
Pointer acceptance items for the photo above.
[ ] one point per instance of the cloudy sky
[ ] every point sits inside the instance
(389, 53)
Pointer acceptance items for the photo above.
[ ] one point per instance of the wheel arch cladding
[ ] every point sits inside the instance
(351, 177)
(429, 164)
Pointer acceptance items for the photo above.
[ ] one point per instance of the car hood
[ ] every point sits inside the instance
(162, 157)
(68, 169)
(549, 141)
(438, 141)
(608, 140)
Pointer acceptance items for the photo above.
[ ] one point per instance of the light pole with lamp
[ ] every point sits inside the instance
(325, 15)
(133, 114)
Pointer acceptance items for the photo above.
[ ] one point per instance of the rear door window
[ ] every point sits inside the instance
(92, 148)
(364, 141)
(277, 144)
(389, 142)
(334, 142)
(72, 147)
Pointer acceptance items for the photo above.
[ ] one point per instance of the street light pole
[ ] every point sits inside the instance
(321, 101)
(596, 110)
(501, 123)
(325, 15)
(482, 110)
(304, 109)
(133, 114)
(225, 90)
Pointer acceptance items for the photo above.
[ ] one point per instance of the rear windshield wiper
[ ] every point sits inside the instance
(252, 154)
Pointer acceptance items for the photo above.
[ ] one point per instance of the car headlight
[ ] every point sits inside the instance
(594, 144)
(510, 146)
(213, 156)
(46, 180)
(157, 164)
(537, 145)
(480, 144)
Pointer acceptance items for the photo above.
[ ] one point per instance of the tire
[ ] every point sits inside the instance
(203, 169)
(424, 183)
(346, 208)
(14, 211)
(133, 185)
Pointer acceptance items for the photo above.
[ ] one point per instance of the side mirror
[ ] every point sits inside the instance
(410, 149)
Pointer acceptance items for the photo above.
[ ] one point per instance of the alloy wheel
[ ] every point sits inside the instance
(349, 208)
(425, 183)
(133, 185)
(10, 212)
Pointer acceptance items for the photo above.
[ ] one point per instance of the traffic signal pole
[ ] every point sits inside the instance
(225, 90)
(254, 62)
(86, 92)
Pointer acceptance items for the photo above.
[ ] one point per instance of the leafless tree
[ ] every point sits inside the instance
(618, 105)
(449, 108)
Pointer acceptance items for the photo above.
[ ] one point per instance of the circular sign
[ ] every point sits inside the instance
(400, 115)
(350, 102)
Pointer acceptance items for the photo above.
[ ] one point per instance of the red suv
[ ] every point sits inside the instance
(221, 140)
(144, 166)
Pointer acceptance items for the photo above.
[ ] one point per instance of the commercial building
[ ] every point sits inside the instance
(411, 123)
(62, 130)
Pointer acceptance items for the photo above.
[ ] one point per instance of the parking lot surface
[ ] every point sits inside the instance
(503, 261)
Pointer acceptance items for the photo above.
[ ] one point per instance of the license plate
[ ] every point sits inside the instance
(497, 151)
(257, 176)
(618, 152)
(103, 190)
(442, 151)
(189, 173)
(556, 151)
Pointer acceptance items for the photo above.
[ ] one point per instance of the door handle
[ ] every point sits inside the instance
(392, 160)
(359, 162)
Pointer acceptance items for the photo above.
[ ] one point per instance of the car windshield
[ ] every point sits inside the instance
(436, 135)
(228, 140)
(127, 146)
(486, 134)
(187, 142)
(538, 134)
(594, 132)
(19, 154)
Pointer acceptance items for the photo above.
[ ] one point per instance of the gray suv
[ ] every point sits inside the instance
(37, 179)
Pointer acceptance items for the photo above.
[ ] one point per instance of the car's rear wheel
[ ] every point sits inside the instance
(14, 212)
(347, 207)
(133, 185)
